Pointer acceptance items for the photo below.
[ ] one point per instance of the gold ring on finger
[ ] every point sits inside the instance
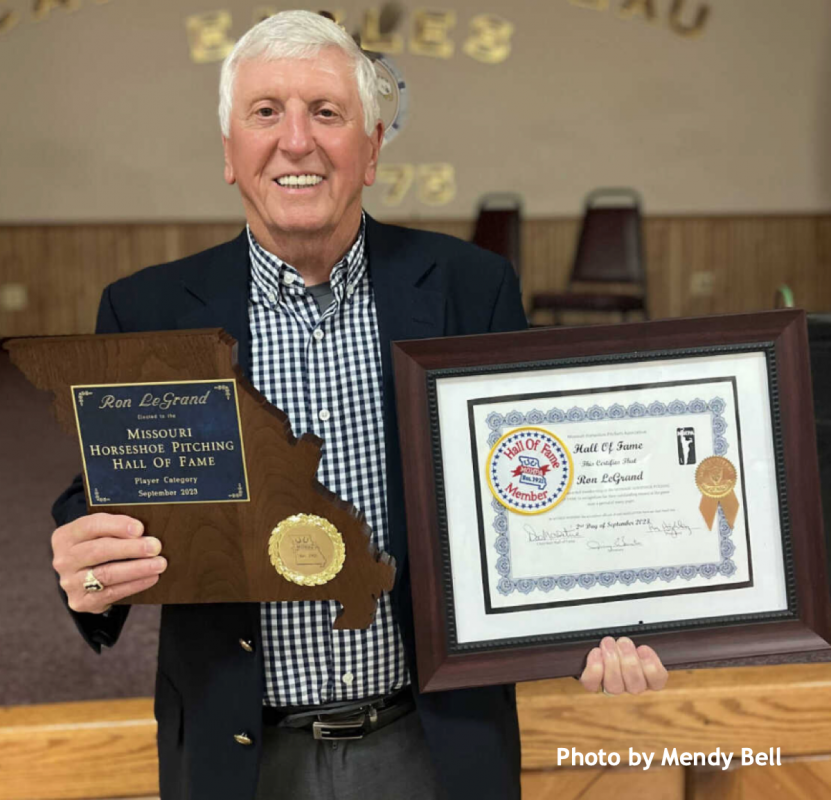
(91, 583)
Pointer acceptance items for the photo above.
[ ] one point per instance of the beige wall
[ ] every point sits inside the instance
(106, 117)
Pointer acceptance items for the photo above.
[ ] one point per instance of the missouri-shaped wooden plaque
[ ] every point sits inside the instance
(172, 433)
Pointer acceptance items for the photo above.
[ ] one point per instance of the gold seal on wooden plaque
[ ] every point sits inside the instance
(716, 478)
(307, 550)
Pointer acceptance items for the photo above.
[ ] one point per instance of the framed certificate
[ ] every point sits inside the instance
(657, 480)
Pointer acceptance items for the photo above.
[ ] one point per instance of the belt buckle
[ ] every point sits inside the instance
(337, 730)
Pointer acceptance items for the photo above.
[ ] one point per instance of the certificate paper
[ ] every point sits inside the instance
(586, 494)
(631, 517)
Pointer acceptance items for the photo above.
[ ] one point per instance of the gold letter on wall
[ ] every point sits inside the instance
(399, 177)
(436, 184)
(8, 20)
(678, 25)
(372, 38)
(431, 29)
(208, 36)
(632, 7)
(490, 39)
(42, 8)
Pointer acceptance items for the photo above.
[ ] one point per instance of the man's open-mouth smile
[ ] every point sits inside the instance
(306, 180)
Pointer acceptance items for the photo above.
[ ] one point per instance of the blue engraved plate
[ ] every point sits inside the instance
(161, 442)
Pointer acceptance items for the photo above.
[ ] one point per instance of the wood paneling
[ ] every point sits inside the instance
(64, 268)
(756, 707)
(808, 779)
(78, 750)
(747, 257)
(621, 783)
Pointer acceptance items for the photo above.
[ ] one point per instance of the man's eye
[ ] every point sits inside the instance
(265, 112)
(327, 112)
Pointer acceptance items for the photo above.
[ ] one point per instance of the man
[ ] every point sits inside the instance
(314, 291)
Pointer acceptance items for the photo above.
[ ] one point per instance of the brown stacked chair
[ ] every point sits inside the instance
(610, 251)
(498, 226)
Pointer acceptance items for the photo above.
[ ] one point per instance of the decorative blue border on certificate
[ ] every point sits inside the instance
(507, 584)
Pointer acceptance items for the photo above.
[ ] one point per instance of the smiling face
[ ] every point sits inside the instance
(297, 148)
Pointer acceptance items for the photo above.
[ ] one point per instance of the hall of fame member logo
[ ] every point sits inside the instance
(530, 471)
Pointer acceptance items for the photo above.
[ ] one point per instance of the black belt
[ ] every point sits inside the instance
(345, 720)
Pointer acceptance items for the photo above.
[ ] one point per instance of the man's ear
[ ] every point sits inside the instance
(376, 139)
(230, 177)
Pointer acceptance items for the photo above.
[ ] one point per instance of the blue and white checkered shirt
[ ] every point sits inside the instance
(324, 371)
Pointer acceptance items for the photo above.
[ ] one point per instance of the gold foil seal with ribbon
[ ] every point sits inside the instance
(307, 550)
(716, 479)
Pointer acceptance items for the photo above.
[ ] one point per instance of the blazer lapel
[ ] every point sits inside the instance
(219, 296)
(405, 310)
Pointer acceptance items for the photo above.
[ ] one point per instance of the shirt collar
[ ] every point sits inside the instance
(276, 279)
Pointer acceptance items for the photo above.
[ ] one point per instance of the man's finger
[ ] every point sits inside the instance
(99, 602)
(592, 675)
(96, 526)
(653, 670)
(612, 678)
(101, 551)
(125, 571)
(631, 669)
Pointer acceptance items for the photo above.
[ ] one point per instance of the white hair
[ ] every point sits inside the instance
(301, 35)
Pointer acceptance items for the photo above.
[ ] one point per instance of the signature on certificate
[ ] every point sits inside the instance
(672, 529)
(619, 543)
(555, 536)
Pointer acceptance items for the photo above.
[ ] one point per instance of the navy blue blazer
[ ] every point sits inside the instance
(208, 687)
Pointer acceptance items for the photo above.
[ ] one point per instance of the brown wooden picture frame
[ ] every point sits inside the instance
(796, 633)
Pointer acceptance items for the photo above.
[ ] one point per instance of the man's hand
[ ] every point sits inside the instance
(618, 667)
(113, 548)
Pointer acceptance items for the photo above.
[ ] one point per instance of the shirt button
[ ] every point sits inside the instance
(347, 678)
(318, 334)
(288, 279)
(272, 298)
(324, 414)
(350, 291)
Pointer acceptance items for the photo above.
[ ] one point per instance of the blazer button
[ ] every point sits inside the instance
(243, 738)
(247, 645)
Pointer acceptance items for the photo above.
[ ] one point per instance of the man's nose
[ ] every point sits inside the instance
(297, 139)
